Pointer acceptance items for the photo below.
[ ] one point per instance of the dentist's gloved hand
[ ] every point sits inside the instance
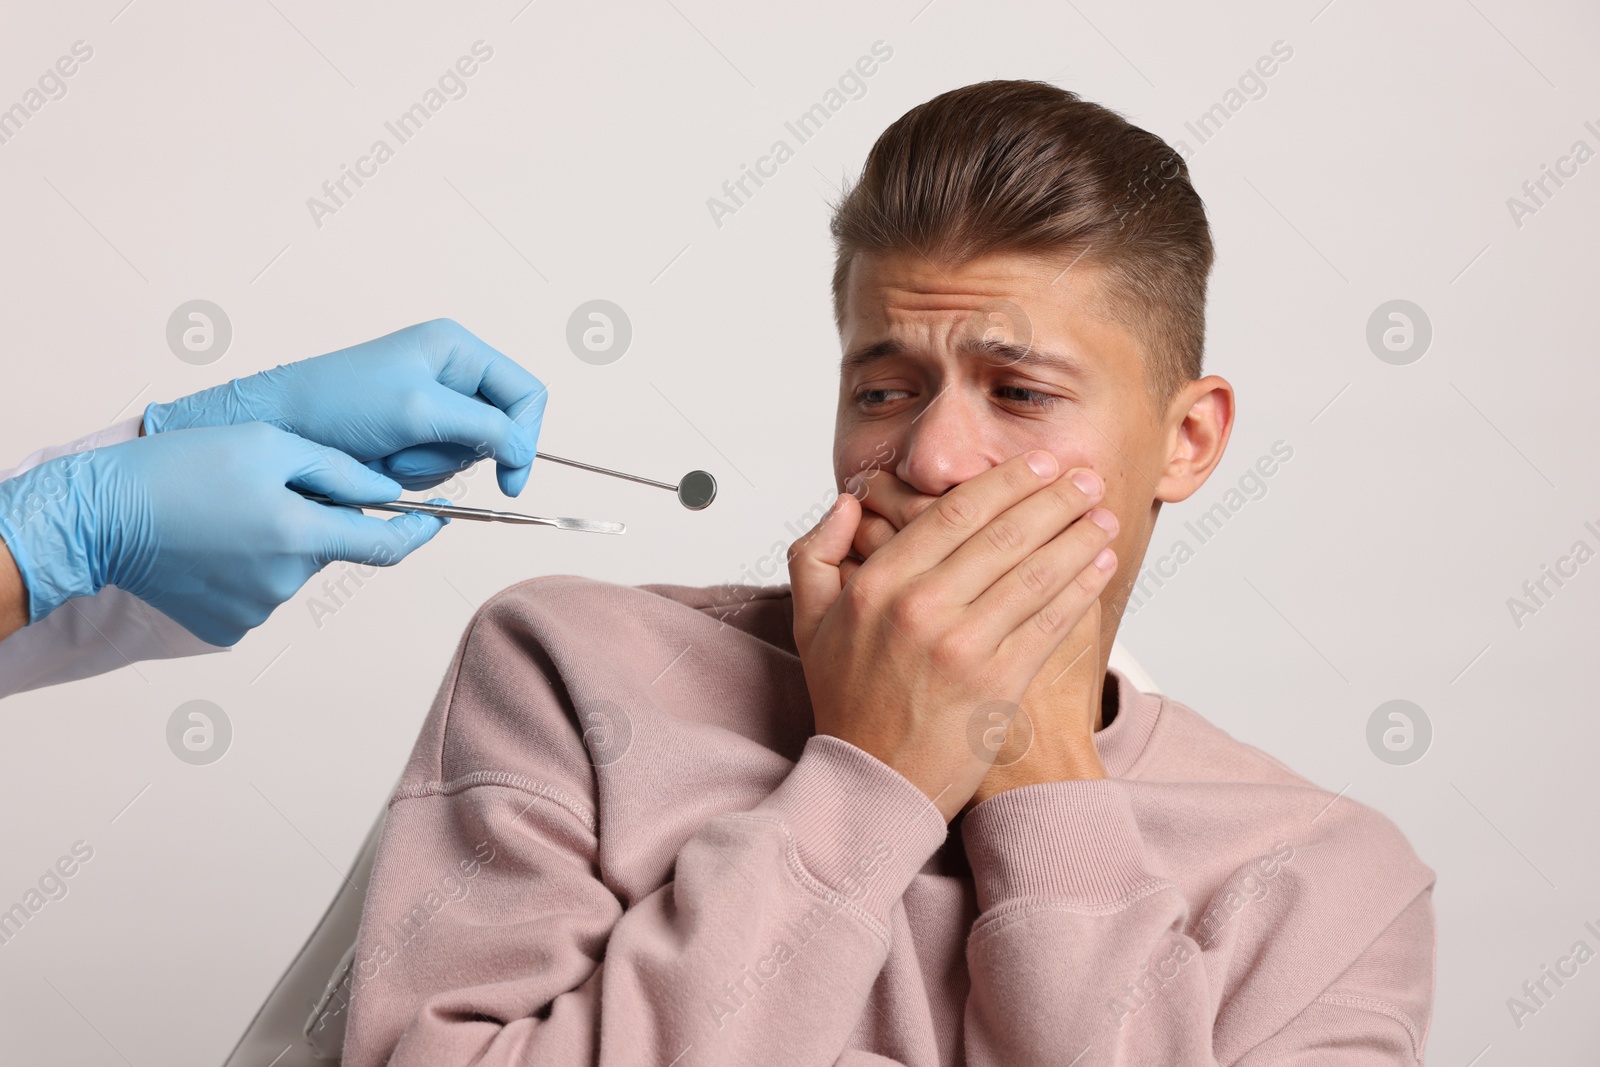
(417, 405)
(201, 524)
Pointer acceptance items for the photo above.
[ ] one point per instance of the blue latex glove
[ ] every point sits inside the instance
(417, 405)
(200, 524)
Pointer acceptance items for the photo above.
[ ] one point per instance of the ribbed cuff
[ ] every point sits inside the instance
(1072, 841)
(860, 827)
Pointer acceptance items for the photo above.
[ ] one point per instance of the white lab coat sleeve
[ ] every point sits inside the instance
(92, 634)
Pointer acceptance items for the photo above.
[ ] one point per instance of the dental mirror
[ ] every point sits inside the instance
(696, 490)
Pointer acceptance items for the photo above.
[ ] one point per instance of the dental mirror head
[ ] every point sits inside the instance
(697, 490)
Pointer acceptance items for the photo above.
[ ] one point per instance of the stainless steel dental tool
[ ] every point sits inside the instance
(452, 511)
(695, 490)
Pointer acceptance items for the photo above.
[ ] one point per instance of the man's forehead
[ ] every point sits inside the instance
(907, 288)
(1013, 298)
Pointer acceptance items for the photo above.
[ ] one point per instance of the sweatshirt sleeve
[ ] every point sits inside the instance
(761, 947)
(1080, 951)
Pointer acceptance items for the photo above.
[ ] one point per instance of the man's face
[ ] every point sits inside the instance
(950, 370)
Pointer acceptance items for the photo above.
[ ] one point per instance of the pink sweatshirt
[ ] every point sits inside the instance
(618, 841)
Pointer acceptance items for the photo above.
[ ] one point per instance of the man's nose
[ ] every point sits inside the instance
(944, 446)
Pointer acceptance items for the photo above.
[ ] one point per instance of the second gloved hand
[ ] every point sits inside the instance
(417, 405)
(201, 524)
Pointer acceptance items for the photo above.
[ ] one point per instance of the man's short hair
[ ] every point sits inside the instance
(1026, 167)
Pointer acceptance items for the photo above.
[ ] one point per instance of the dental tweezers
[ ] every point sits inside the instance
(452, 511)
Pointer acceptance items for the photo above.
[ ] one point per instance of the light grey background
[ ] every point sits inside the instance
(1419, 498)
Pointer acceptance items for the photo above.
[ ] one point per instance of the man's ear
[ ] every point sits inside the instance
(1198, 423)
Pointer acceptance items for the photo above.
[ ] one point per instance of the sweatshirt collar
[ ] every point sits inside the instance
(1122, 743)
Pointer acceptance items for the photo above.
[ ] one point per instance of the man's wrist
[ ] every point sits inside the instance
(13, 594)
(1067, 765)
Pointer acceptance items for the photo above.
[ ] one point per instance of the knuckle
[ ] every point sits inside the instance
(283, 528)
(1005, 535)
(918, 506)
(1088, 581)
(1019, 477)
(1068, 492)
(1036, 575)
(414, 404)
(1051, 618)
(861, 594)
(298, 534)
(256, 435)
(955, 512)
(874, 532)
(907, 611)
(952, 648)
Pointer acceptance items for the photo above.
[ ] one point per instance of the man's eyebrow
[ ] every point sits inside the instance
(1002, 352)
(865, 357)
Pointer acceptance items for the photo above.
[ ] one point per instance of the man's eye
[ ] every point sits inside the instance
(869, 398)
(1032, 398)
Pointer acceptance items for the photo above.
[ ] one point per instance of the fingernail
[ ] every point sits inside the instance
(1104, 519)
(1043, 464)
(853, 484)
(1087, 480)
(1106, 559)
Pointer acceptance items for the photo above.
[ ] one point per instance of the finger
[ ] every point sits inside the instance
(346, 534)
(887, 506)
(959, 514)
(873, 533)
(475, 369)
(885, 495)
(995, 552)
(425, 466)
(481, 427)
(320, 469)
(814, 567)
(1037, 634)
(529, 414)
(513, 479)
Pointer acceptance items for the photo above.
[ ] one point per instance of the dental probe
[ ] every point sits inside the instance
(696, 490)
(452, 511)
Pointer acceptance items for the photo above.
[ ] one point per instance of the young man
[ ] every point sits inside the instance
(901, 813)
